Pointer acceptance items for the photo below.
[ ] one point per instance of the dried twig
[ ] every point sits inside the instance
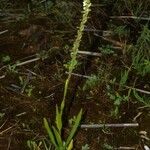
(33, 73)
(95, 53)
(6, 130)
(109, 125)
(90, 53)
(128, 87)
(111, 41)
(79, 75)
(130, 17)
(125, 148)
(137, 116)
(22, 63)
(146, 147)
(28, 61)
(3, 124)
(21, 114)
(139, 90)
(9, 141)
(2, 32)
(3, 76)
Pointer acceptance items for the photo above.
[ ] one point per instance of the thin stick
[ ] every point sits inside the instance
(3, 124)
(23, 63)
(110, 40)
(28, 61)
(95, 53)
(79, 75)
(2, 32)
(130, 17)
(94, 126)
(3, 76)
(5, 66)
(33, 73)
(128, 87)
(9, 142)
(146, 147)
(125, 148)
(90, 53)
(139, 90)
(8, 129)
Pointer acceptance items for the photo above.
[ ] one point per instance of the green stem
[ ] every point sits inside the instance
(86, 10)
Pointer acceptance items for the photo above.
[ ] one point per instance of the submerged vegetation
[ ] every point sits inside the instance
(105, 86)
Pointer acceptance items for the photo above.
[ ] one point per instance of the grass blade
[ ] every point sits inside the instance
(58, 137)
(74, 129)
(58, 119)
(70, 147)
(49, 131)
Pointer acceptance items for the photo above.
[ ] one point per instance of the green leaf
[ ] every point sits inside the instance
(70, 147)
(58, 119)
(124, 77)
(145, 101)
(58, 137)
(116, 111)
(74, 129)
(62, 106)
(50, 133)
(117, 102)
(6, 59)
(85, 147)
(137, 96)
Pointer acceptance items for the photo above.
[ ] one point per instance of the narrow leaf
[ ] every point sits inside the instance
(138, 97)
(70, 147)
(58, 120)
(74, 129)
(49, 131)
(62, 106)
(58, 137)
